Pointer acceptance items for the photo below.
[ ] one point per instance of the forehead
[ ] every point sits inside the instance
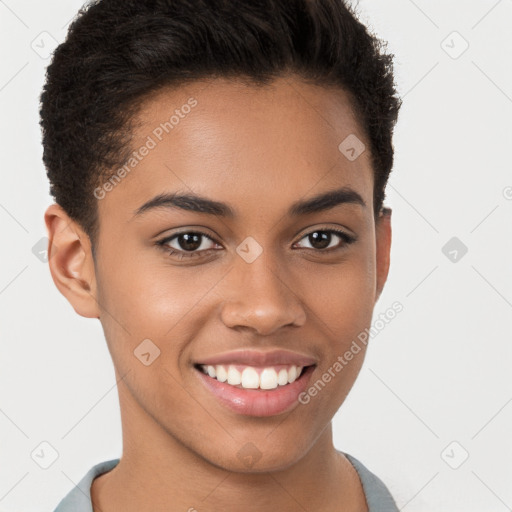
(314, 112)
(229, 140)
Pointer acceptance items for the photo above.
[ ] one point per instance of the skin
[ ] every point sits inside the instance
(259, 150)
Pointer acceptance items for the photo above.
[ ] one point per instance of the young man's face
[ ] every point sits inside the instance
(256, 282)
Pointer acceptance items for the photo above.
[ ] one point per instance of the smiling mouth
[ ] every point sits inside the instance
(254, 377)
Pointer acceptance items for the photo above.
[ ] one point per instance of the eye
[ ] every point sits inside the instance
(190, 244)
(321, 239)
(187, 244)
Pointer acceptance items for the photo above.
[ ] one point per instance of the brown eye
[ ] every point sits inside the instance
(322, 239)
(189, 241)
(195, 244)
(187, 244)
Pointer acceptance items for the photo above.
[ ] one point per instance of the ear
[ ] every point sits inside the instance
(383, 248)
(71, 262)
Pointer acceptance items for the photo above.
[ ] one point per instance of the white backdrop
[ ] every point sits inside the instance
(431, 412)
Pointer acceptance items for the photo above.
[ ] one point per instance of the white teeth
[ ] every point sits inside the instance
(282, 377)
(222, 374)
(234, 376)
(249, 378)
(268, 379)
(292, 374)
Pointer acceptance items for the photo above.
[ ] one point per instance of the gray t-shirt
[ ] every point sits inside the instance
(377, 495)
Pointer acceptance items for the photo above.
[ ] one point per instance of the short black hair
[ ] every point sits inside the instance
(118, 52)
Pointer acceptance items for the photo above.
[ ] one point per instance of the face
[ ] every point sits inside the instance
(258, 280)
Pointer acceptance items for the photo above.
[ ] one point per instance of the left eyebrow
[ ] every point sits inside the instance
(195, 203)
(326, 201)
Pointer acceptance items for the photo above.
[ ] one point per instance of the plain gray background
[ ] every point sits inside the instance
(431, 412)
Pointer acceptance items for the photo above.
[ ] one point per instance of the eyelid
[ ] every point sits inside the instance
(338, 229)
(346, 237)
(189, 231)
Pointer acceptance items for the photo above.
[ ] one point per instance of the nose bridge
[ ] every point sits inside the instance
(260, 296)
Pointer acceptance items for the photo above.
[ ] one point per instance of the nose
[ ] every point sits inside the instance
(261, 298)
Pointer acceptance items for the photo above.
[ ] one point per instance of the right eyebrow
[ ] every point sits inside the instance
(199, 204)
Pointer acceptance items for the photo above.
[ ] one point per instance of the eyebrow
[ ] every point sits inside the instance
(195, 203)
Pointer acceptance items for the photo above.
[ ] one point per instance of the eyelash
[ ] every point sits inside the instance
(347, 239)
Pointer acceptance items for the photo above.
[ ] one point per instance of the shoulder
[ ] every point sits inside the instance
(377, 495)
(79, 497)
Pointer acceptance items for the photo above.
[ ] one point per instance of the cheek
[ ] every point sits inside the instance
(149, 296)
(342, 297)
(148, 300)
(340, 315)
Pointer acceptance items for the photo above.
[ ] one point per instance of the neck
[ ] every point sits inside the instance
(164, 475)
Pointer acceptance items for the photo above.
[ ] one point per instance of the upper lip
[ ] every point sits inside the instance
(259, 358)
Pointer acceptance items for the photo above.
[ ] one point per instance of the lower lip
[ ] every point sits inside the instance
(258, 402)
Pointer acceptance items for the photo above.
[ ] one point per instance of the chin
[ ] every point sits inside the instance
(249, 458)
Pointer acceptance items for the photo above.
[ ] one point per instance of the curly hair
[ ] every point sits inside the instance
(118, 52)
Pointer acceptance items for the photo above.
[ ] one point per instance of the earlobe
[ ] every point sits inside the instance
(70, 261)
(383, 248)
